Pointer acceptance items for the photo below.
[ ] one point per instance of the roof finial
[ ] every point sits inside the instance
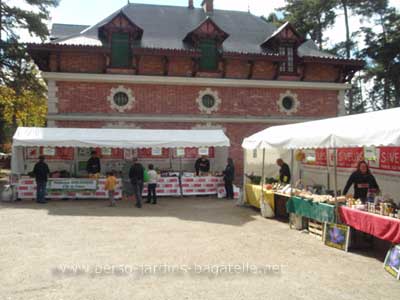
(129, 2)
(248, 5)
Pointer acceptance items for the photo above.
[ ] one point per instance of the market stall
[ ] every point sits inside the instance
(67, 150)
(368, 130)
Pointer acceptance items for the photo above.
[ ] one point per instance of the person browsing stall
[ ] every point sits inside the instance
(363, 181)
(284, 172)
(136, 175)
(202, 166)
(229, 176)
(110, 185)
(152, 185)
(41, 172)
(93, 164)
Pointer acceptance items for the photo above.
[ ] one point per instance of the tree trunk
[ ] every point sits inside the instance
(346, 20)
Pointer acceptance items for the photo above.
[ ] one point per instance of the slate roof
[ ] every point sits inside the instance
(165, 27)
(59, 31)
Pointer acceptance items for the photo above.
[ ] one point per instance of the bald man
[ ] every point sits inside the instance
(284, 172)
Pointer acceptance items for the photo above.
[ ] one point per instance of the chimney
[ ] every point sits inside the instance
(191, 6)
(208, 6)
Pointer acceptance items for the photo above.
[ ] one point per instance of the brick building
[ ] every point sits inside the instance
(151, 66)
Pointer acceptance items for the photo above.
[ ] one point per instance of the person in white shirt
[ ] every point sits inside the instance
(152, 185)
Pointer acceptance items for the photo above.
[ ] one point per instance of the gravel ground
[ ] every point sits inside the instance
(85, 250)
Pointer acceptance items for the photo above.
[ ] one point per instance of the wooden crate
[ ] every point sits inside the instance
(316, 228)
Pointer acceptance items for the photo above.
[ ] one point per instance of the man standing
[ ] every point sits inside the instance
(284, 172)
(93, 164)
(41, 172)
(202, 166)
(136, 175)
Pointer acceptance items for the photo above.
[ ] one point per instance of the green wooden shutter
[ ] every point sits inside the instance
(209, 58)
(120, 50)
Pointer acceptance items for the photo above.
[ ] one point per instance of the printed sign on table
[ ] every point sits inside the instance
(337, 236)
(392, 262)
(72, 184)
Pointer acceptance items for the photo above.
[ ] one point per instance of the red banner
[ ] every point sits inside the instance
(349, 157)
(389, 158)
(61, 153)
(321, 157)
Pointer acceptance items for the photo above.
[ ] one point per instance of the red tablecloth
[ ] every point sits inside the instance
(382, 227)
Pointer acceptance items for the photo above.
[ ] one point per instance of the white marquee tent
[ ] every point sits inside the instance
(112, 138)
(381, 128)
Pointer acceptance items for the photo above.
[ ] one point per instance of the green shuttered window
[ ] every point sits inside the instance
(120, 50)
(209, 55)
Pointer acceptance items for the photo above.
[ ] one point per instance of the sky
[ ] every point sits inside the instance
(89, 12)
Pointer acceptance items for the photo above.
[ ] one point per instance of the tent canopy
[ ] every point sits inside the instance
(118, 138)
(381, 128)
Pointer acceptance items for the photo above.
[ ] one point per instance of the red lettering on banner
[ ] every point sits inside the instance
(389, 158)
(321, 157)
(349, 157)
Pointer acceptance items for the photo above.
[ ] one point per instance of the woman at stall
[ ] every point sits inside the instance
(229, 176)
(363, 182)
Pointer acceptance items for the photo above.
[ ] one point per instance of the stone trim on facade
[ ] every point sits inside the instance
(121, 89)
(205, 109)
(189, 81)
(296, 103)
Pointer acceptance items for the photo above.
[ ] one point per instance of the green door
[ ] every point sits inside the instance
(209, 59)
(120, 50)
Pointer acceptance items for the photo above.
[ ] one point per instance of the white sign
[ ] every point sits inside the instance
(72, 184)
(203, 151)
(156, 151)
(49, 151)
(128, 154)
(106, 151)
(310, 156)
(370, 153)
(180, 152)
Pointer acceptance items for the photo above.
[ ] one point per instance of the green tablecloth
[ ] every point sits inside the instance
(321, 212)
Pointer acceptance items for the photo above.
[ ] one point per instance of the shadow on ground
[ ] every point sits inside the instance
(201, 209)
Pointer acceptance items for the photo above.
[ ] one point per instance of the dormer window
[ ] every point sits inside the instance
(209, 55)
(120, 34)
(288, 66)
(121, 52)
(285, 40)
(207, 37)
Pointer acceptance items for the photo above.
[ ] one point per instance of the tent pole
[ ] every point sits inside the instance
(335, 181)
(291, 170)
(262, 181)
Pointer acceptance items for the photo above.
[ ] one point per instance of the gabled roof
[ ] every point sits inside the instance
(280, 30)
(166, 27)
(59, 31)
(207, 21)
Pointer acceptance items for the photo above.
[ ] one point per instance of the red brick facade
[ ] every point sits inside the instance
(168, 100)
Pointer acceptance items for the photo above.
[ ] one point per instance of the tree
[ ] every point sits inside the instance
(383, 49)
(311, 17)
(274, 19)
(17, 71)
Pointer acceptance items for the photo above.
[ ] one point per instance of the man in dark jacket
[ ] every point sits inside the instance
(136, 175)
(93, 164)
(41, 172)
(229, 176)
(202, 165)
(284, 172)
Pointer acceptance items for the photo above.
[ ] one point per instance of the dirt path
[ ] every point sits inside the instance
(85, 250)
